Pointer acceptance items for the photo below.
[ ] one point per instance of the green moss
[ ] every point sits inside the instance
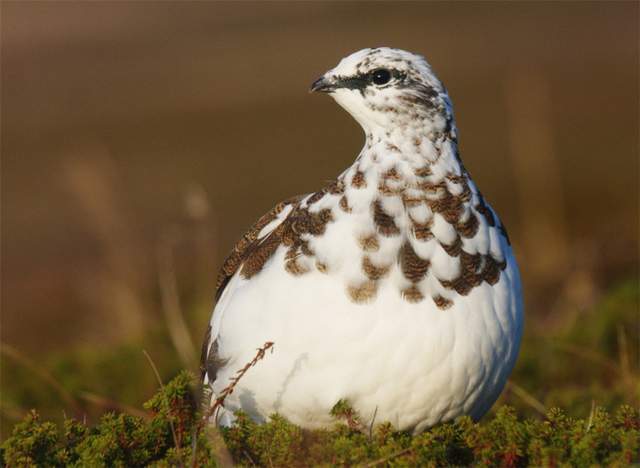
(502, 441)
(117, 439)
(166, 438)
(33, 443)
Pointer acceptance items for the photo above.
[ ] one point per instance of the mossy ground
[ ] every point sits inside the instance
(170, 435)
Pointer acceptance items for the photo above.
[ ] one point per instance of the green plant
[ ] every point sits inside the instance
(166, 437)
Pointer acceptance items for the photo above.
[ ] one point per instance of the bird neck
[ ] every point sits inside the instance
(418, 149)
(406, 167)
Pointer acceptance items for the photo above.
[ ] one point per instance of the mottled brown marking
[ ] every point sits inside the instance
(387, 191)
(454, 248)
(469, 228)
(423, 171)
(302, 221)
(363, 293)
(474, 269)
(469, 274)
(422, 232)
(385, 223)
(315, 197)
(485, 211)
(417, 141)
(291, 263)
(247, 243)
(372, 271)
(392, 147)
(413, 267)
(465, 196)
(321, 267)
(433, 187)
(409, 201)
(456, 179)
(392, 174)
(492, 269)
(336, 187)
(344, 204)
(306, 250)
(358, 180)
(412, 294)
(449, 206)
(442, 302)
(260, 253)
(415, 100)
(369, 243)
(295, 268)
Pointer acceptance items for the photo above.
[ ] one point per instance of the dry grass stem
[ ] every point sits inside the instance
(623, 353)
(527, 398)
(591, 414)
(12, 353)
(228, 390)
(157, 374)
(93, 179)
(373, 420)
(176, 324)
(109, 404)
(589, 355)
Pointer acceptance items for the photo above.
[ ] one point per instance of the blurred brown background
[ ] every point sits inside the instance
(140, 139)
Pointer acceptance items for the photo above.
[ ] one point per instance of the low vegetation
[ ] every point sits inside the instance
(170, 436)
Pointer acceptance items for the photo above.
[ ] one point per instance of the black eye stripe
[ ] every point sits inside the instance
(363, 80)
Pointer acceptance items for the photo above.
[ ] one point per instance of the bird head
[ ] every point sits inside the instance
(386, 88)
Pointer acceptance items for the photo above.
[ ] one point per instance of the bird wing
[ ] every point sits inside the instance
(249, 254)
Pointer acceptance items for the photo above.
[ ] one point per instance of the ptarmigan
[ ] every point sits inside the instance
(394, 288)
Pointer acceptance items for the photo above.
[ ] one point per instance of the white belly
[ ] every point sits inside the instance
(411, 364)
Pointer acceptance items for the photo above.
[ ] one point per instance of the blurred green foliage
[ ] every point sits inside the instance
(590, 357)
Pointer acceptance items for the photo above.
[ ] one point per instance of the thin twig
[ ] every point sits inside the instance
(155, 371)
(228, 390)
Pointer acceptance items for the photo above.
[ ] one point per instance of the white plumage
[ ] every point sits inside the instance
(394, 288)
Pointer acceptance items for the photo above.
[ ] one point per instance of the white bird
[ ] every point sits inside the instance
(393, 289)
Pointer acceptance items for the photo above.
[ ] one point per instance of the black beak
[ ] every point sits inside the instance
(322, 85)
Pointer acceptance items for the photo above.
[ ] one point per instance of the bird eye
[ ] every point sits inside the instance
(380, 76)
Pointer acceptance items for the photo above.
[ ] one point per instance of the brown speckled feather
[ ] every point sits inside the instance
(248, 245)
